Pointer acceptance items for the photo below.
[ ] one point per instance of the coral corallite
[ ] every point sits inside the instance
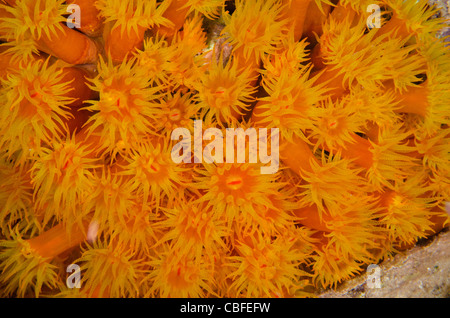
(88, 175)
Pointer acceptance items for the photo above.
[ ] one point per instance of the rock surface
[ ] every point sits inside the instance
(422, 272)
(444, 12)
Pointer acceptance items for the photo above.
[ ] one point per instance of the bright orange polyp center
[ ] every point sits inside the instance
(68, 162)
(118, 103)
(234, 182)
(35, 95)
(150, 170)
(175, 115)
(154, 168)
(220, 90)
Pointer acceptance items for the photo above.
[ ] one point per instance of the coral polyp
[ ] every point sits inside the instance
(31, 20)
(36, 271)
(290, 98)
(209, 8)
(255, 28)
(134, 144)
(178, 109)
(131, 15)
(182, 276)
(407, 212)
(237, 192)
(155, 57)
(63, 175)
(128, 106)
(153, 174)
(37, 107)
(225, 92)
(194, 229)
(266, 268)
(15, 197)
(119, 267)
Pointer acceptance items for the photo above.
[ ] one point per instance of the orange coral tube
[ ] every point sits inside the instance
(414, 101)
(359, 151)
(119, 44)
(91, 24)
(80, 92)
(56, 240)
(314, 19)
(332, 79)
(70, 46)
(297, 155)
(92, 140)
(394, 26)
(372, 131)
(78, 78)
(310, 217)
(341, 12)
(80, 117)
(296, 11)
(176, 13)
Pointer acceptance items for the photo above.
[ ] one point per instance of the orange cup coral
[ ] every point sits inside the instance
(87, 175)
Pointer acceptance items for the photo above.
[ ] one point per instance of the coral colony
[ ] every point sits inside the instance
(189, 148)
